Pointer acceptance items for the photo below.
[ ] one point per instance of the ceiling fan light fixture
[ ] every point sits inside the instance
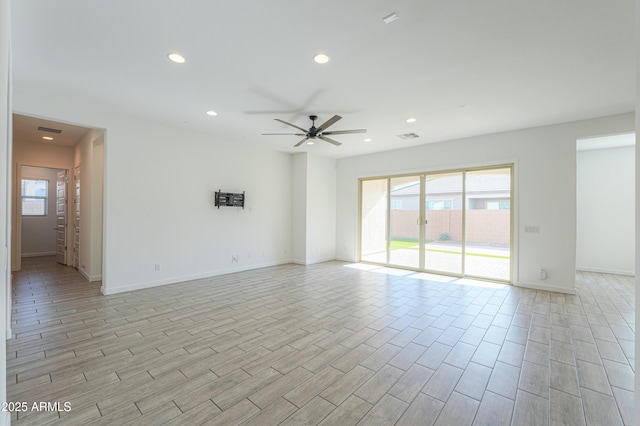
(411, 120)
(367, 140)
(212, 113)
(321, 58)
(176, 57)
(310, 142)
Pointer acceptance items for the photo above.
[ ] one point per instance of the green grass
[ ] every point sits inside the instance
(495, 256)
(404, 244)
(407, 244)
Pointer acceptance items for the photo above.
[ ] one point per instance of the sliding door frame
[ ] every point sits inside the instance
(422, 219)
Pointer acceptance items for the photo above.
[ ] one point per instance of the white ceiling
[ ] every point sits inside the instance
(511, 64)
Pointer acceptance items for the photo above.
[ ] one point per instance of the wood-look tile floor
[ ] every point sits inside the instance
(323, 344)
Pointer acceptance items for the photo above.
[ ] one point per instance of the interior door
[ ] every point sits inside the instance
(61, 217)
(76, 220)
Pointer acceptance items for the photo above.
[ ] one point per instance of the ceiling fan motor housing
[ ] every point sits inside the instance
(315, 132)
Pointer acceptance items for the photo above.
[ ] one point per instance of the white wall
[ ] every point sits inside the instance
(97, 202)
(299, 219)
(606, 211)
(544, 182)
(321, 209)
(39, 155)
(89, 158)
(314, 208)
(39, 232)
(5, 205)
(159, 183)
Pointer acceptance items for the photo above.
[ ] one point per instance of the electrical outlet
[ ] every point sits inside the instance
(532, 229)
(157, 267)
(542, 274)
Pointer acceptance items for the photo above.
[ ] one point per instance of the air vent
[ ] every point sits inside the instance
(408, 136)
(49, 129)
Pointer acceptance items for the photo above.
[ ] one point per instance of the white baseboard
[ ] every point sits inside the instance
(606, 271)
(546, 287)
(90, 278)
(313, 261)
(84, 274)
(94, 278)
(184, 278)
(346, 259)
(47, 253)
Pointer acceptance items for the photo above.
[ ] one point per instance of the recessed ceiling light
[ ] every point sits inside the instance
(176, 57)
(367, 140)
(321, 58)
(390, 18)
(47, 138)
(212, 113)
(411, 120)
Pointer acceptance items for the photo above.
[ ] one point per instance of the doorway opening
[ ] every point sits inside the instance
(605, 204)
(43, 204)
(75, 213)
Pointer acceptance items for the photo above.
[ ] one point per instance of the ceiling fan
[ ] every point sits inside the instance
(317, 132)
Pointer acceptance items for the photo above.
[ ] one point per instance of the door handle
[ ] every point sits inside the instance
(418, 221)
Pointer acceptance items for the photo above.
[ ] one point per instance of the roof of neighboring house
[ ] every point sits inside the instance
(453, 184)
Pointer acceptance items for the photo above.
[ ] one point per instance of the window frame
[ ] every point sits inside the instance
(24, 197)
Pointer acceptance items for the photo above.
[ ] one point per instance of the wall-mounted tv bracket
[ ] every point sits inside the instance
(230, 199)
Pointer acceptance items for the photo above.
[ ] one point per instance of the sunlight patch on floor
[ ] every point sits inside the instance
(478, 283)
(425, 276)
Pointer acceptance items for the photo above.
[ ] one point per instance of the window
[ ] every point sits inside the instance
(499, 205)
(34, 197)
(439, 205)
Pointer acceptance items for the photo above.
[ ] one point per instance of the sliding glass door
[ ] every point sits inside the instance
(443, 223)
(374, 207)
(455, 222)
(404, 221)
(488, 223)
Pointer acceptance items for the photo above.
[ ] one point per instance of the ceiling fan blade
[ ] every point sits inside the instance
(329, 122)
(326, 139)
(301, 142)
(345, 132)
(284, 134)
(292, 125)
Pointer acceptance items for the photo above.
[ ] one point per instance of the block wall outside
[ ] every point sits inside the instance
(483, 226)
